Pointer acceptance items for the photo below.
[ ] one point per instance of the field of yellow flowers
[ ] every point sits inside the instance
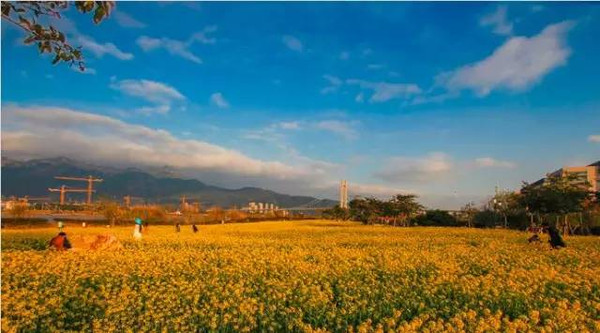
(301, 277)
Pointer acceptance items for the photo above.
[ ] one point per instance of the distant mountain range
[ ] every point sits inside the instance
(34, 177)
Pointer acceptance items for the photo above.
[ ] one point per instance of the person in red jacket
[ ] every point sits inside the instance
(60, 242)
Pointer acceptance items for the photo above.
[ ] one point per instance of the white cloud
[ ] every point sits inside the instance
(176, 47)
(594, 138)
(127, 21)
(290, 125)
(345, 55)
(377, 190)
(218, 100)
(359, 98)
(498, 21)
(152, 91)
(375, 66)
(202, 37)
(489, 162)
(99, 50)
(86, 42)
(385, 91)
(334, 84)
(429, 168)
(150, 110)
(50, 132)
(516, 65)
(38, 132)
(341, 128)
(292, 43)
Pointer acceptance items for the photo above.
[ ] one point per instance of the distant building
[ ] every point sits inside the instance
(589, 174)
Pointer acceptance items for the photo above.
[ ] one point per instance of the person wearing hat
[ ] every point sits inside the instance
(137, 232)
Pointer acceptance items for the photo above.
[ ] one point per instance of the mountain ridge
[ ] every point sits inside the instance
(33, 177)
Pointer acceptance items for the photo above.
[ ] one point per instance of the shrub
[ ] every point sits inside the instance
(435, 218)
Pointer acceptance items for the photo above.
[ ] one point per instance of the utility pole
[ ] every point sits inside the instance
(90, 184)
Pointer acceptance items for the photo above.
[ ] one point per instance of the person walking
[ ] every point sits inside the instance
(137, 231)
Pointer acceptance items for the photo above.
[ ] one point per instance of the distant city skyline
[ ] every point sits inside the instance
(443, 100)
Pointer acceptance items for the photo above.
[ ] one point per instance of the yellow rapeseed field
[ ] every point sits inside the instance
(301, 277)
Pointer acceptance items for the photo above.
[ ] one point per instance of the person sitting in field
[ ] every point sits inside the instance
(556, 240)
(194, 228)
(60, 242)
(534, 239)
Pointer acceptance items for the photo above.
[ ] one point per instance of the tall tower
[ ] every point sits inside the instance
(344, 194)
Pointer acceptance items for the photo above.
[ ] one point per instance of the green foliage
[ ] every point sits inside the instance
(435, 218)
(558, 195)
(365, 210)
(111, 211)
(398, 210)
(30, 17)
(467, 214)
(19, 210)
(336, 213)
(485, 219)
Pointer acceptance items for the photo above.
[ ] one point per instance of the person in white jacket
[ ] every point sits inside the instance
(137, 232)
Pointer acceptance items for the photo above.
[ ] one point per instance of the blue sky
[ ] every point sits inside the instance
(445, 100)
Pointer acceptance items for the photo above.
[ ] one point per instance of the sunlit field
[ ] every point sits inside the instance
(301, 276)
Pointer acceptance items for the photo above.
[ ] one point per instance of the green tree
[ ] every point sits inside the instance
(32, 18)
(402, 207)
(111, 211)
(558, 196)
(436, 218)
(365, 210)
(506, 204)
(19, 209)
(336, 213)
(467, 214)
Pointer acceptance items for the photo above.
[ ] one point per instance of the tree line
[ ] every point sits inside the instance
(563, 202)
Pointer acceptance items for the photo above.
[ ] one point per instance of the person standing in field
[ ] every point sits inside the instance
(60, 226)
(177, 227)
(137, 231)
(194, 228)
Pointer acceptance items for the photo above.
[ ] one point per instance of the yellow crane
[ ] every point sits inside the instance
(90, 186)
(63, 191)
